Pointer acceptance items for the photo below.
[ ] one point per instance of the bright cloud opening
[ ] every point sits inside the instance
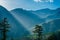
(37, 0)
(44, 0)
(4, 4)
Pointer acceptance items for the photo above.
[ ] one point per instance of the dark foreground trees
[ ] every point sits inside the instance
(38, 31)
(4, 28)
(52, 37)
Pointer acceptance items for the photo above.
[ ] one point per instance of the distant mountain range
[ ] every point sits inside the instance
(43, 13)
(23, 21)
(27, 18)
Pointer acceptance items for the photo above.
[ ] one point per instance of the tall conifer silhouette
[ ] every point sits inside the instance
(38, 31)
(4, 28)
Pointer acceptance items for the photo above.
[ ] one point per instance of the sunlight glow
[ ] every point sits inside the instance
(4, 4)
(20, 21)
(43, 0)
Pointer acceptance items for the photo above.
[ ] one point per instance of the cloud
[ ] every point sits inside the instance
(37, 0)
(43, 0)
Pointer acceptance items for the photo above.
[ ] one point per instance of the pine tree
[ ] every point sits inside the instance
(38, 31)
(5, 27)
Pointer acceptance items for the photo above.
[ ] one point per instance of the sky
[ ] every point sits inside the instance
(30, 4)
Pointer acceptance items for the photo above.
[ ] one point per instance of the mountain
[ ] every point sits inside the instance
(48, 14)
(44, 13)
(31, 18)
(16, 28)
(51, 26)
(55, 16)
(27, 18)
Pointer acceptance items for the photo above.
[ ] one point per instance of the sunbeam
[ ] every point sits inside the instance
(20, 21)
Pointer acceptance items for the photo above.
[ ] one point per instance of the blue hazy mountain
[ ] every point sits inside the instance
(43, 13)
(16, 29)
(48, 14)
(54, 16)
(31, 18)
(51, 26)
(22, 21)
(27, 18)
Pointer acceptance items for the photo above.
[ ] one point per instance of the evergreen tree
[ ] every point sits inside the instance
(4, 28)
(38, 31)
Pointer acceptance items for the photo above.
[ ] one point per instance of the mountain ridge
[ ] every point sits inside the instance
(15, 25)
